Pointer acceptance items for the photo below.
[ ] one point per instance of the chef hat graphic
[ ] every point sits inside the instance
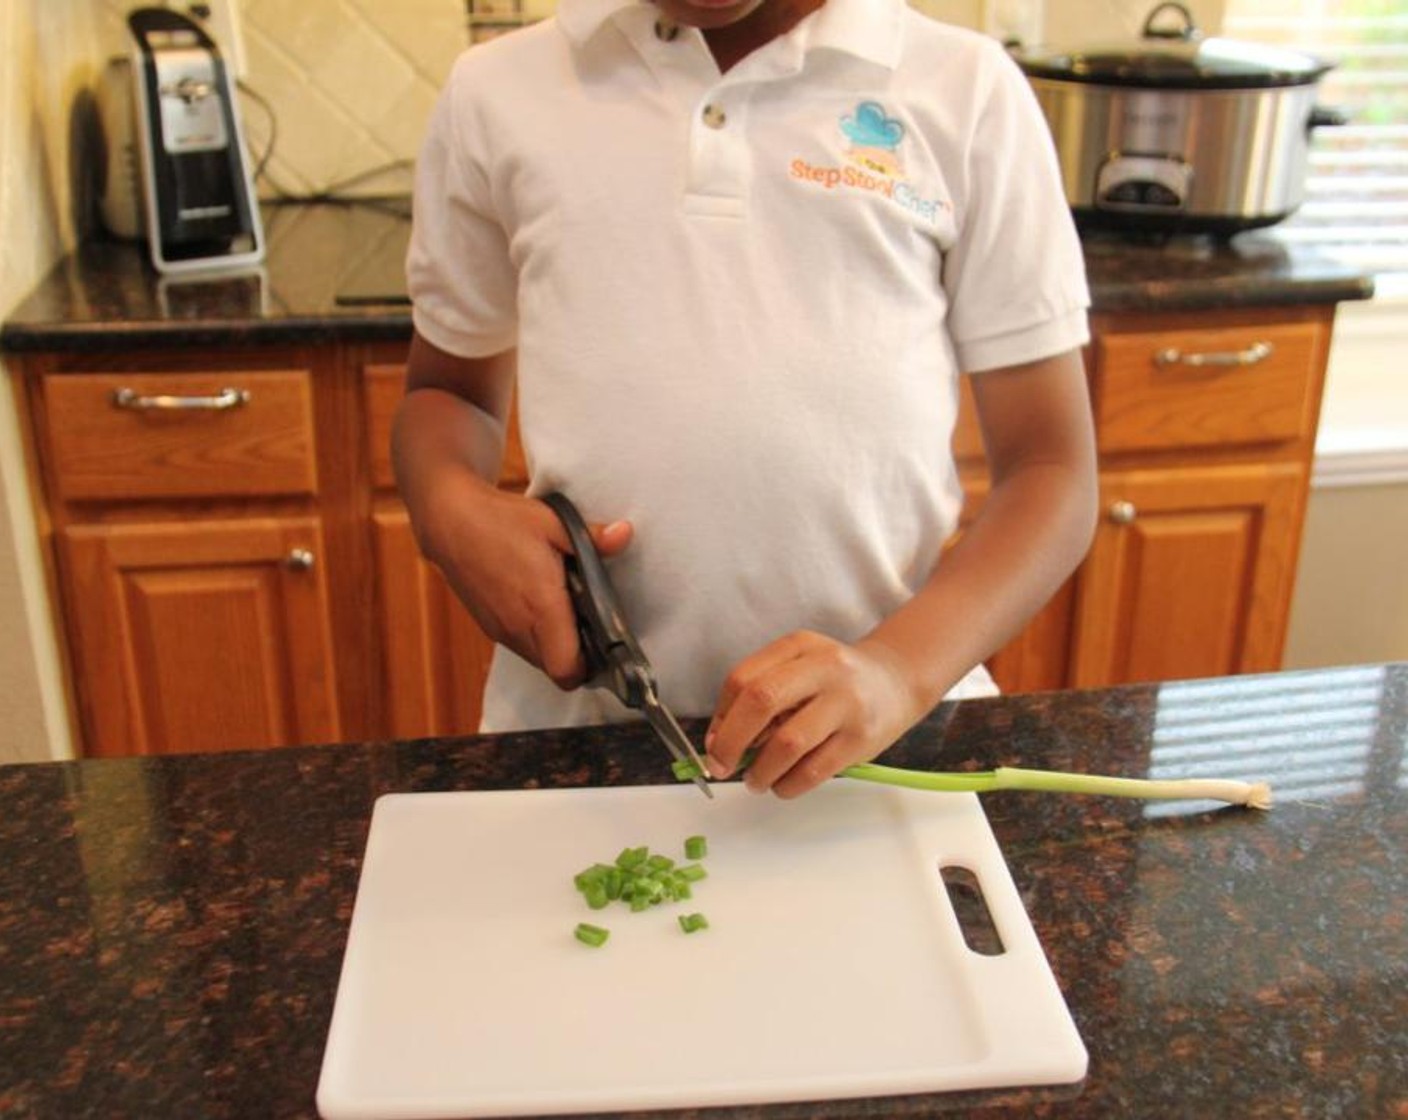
(870, 127)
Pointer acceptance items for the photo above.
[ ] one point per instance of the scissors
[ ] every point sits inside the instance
(614, 658)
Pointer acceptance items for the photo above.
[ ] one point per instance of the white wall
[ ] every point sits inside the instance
(1351, 601)
(1081, 21)
(1351, 598)
(47, 50)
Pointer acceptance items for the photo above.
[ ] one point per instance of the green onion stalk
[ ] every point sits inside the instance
(1254, 795)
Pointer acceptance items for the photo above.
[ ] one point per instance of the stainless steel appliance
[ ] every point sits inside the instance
(1180, 132)
(199, 207)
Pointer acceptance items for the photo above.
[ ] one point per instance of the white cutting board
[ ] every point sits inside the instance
(833, 966)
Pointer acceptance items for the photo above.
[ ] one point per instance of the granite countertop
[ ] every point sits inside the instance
(171, 929)
(333, 273)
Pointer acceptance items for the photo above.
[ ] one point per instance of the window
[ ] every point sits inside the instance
(1356, 206)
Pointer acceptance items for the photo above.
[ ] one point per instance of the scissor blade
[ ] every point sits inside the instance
(675, 740)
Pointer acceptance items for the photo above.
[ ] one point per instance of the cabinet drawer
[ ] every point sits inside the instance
(165, 435)
(384, 386)
(1194, 388)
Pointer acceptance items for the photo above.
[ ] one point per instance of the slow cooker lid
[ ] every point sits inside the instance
(1177, 57)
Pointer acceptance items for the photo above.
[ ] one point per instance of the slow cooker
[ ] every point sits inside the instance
(1179, 132)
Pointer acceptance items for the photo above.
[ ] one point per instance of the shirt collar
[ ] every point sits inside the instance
(868, 29)
(581, 19)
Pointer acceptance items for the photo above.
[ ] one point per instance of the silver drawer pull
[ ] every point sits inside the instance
(299, 560)
(1256, 352)
(226, 398)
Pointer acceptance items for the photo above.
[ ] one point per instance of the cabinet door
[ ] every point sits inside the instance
(437, 658)
(201, 636)
(1037, 659)
(1190, 574)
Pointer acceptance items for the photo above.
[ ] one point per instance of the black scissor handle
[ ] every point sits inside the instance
(614, 659)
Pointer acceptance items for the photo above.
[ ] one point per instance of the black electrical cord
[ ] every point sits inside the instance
(332, 193)
(261, 165)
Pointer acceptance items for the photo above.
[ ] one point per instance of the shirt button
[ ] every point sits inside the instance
(714, 116)
(666, 31)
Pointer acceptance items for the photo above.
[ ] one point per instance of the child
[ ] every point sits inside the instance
(735, 254)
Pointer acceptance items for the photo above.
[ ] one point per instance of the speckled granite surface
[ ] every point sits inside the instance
(325, 269)
(334, 273)
(171, 930)
(1193, 273)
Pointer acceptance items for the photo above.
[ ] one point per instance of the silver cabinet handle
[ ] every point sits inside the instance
(1256, 352)
(299, 560)
(1123, 513)
(137, 402)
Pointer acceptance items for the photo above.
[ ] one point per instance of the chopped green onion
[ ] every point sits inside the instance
(588, 934)
(631, 858)
(596, 873)
(641, 880)
(596, 896)
(685, 770)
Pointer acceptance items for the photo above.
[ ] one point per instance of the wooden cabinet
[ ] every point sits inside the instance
(234, 568)
(1206, 428)
(191, 560)
(200, 635)
(1188, 574)
(1205, 424)
(436, 657)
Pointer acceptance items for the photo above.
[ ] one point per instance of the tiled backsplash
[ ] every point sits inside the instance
(351, 82)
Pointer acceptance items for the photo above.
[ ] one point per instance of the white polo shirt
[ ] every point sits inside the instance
(741, 304)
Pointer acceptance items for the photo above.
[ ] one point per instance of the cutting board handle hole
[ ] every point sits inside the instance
(965, 895)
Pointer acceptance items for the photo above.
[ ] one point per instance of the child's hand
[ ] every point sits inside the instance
(811, 706)
(502, 554)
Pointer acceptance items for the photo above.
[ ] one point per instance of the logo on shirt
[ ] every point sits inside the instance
(875, 139)
(873, 162)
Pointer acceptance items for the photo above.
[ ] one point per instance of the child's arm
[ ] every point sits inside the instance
(501, 553)
(813, 705)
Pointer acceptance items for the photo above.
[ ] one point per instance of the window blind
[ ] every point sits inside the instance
(1356, 206)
